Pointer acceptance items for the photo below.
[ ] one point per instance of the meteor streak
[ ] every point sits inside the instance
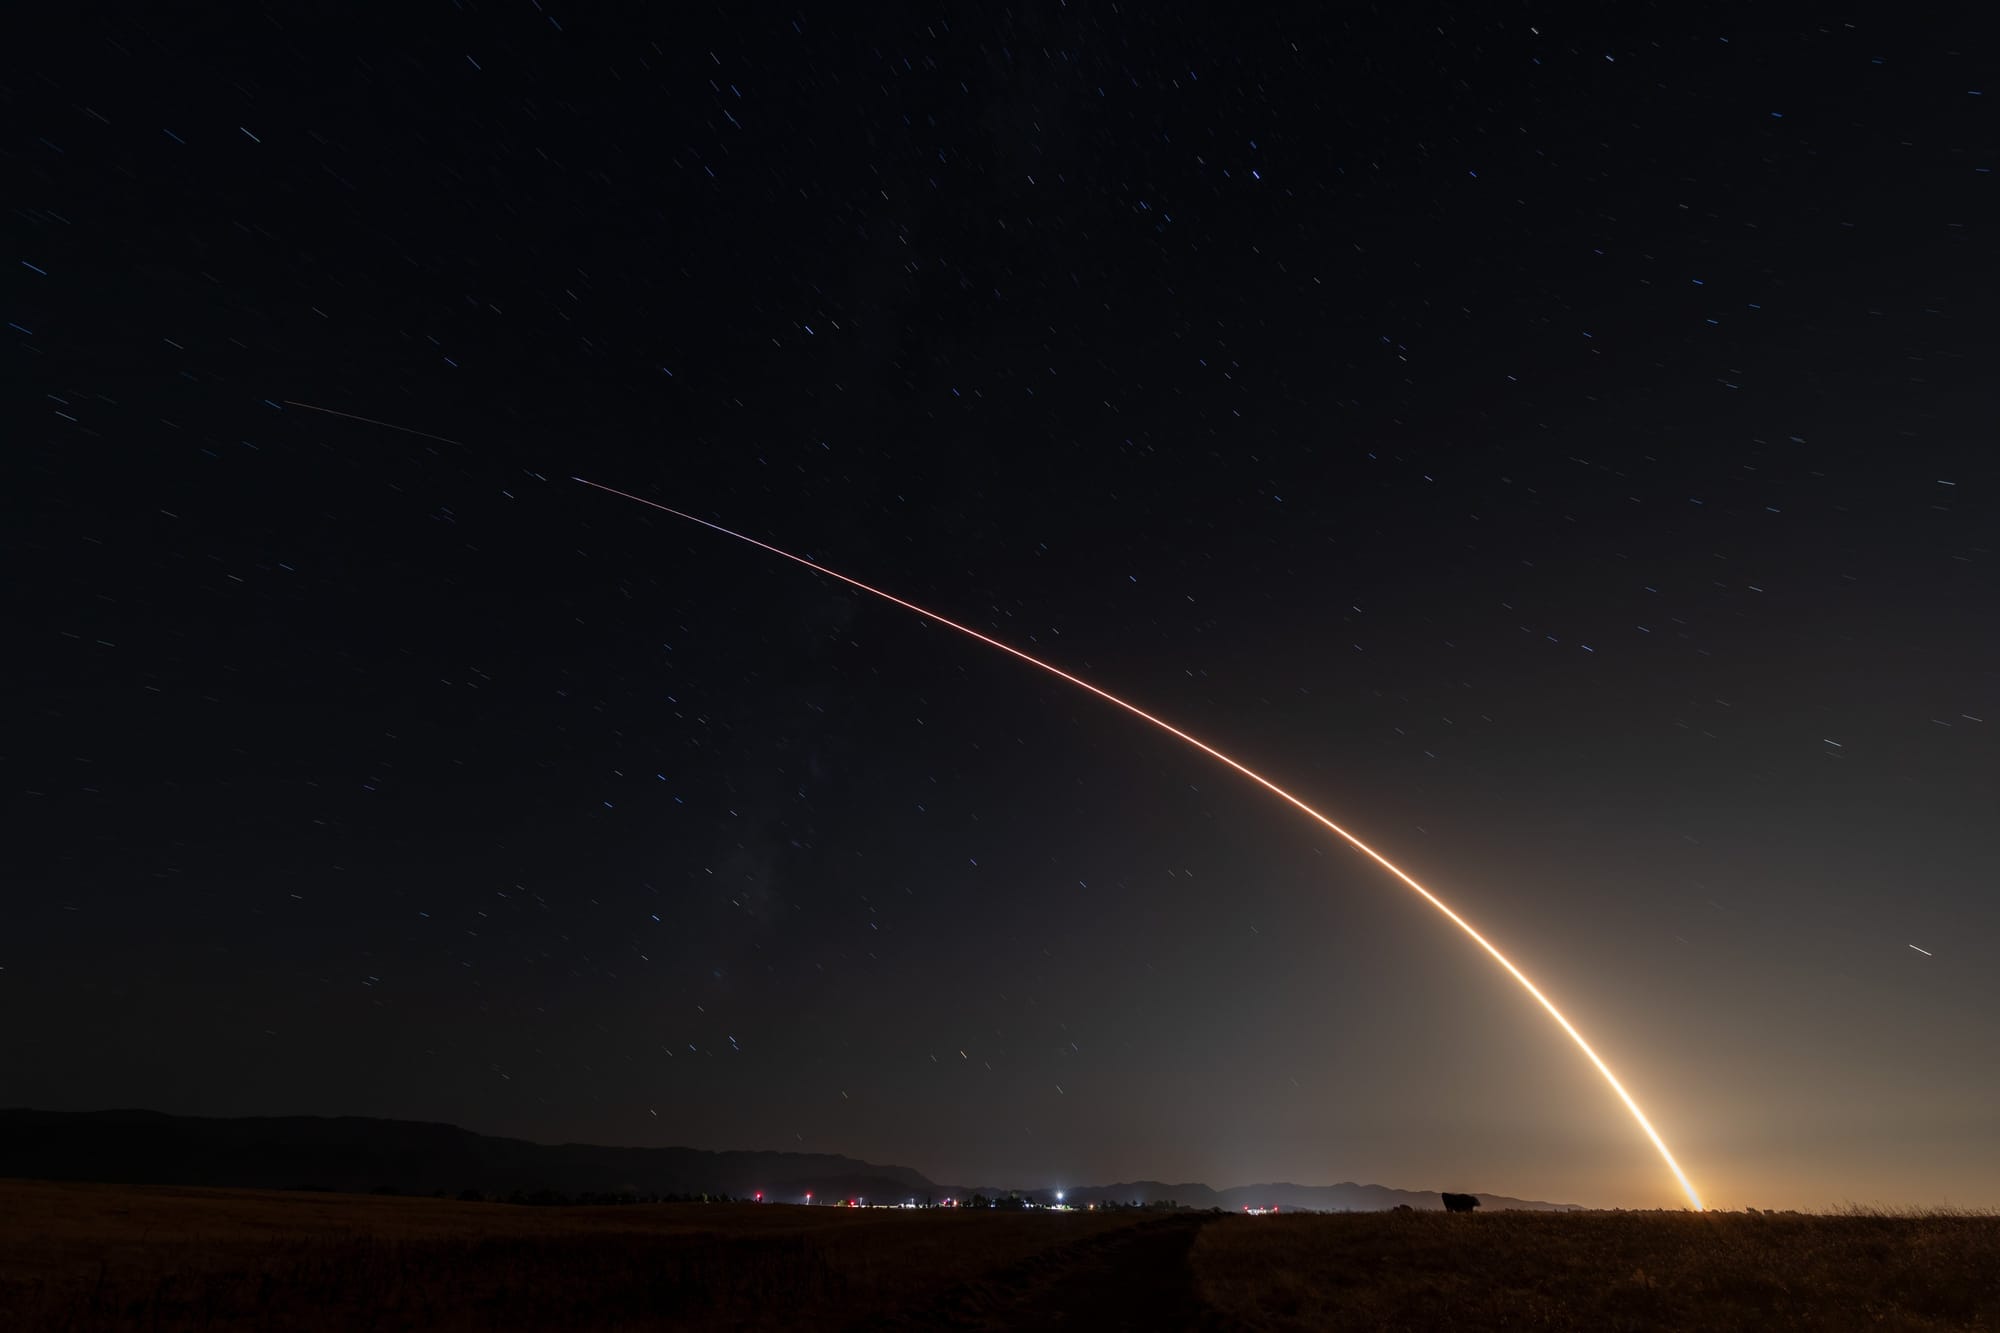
(1506, 963)
(1570, 1028)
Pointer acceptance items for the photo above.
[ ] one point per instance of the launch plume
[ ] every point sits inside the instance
(1569, 1028)
(1533, 990)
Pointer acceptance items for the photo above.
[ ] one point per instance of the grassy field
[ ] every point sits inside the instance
(1608, 1271)
(88, 1257)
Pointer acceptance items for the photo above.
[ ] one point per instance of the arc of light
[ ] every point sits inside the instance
(1505, 962)
(1597, 1061)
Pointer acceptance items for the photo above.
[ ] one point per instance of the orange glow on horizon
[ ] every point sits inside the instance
(1569, 1028)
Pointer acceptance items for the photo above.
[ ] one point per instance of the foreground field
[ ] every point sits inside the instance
(1709, 1271)
(89, 1257)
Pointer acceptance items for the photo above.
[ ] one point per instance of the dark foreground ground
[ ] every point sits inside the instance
(89, 1257)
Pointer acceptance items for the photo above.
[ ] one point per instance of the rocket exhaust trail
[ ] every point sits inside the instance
(1568, 1027)
(1249, 773)
(1256, 777)
(1596, 1060)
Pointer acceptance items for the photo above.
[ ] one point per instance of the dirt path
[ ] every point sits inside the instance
(1135, 1278)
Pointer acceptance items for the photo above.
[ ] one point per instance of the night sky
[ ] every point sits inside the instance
(1565, 454)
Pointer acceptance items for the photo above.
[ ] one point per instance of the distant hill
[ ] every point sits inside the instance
(356, 1154)
(1343, 1198)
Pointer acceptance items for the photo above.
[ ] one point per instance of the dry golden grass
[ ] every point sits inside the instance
(1602, 1271)
(88, 1257)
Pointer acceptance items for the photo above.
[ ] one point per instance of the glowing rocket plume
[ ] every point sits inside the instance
(1207, 749)
(1247, 772)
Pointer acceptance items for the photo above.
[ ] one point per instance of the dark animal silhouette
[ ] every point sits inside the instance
(1460, 1203)
(1402, 1208)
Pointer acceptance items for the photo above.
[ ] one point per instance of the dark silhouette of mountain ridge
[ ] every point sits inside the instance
(1346, 1197)
(359, 1154)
